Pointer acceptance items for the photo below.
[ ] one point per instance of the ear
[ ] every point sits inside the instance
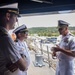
(8, 16)
(66, 28)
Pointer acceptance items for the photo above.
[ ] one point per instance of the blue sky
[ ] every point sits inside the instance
(47, 20)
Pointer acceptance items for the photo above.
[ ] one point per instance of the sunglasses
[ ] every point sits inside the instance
(25, 32)
(60, 29)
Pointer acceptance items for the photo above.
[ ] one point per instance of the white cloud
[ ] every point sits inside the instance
(47, 20)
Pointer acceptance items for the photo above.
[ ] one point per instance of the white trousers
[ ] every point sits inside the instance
(64, 68)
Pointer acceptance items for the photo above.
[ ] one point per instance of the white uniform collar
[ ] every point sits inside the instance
(66, 34)
(20, 41)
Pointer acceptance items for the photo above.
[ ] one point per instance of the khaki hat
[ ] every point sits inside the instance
(62, 24)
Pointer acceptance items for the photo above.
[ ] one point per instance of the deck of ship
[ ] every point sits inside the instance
(45, 70)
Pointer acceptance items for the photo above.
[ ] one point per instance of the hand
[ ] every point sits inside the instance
(12, 67)
(26, 69)
(57, 48)
(54, 54)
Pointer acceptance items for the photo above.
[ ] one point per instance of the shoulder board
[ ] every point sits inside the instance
(71, 34)
(2, 33)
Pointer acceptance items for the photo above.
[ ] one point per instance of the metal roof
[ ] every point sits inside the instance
(41, 6)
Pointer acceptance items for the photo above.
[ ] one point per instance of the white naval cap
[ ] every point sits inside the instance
(21, 28)
(11, 8)
(14, 5)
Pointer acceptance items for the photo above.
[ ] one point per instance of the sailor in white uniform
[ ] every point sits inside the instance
(21, 34)
(65, 50)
